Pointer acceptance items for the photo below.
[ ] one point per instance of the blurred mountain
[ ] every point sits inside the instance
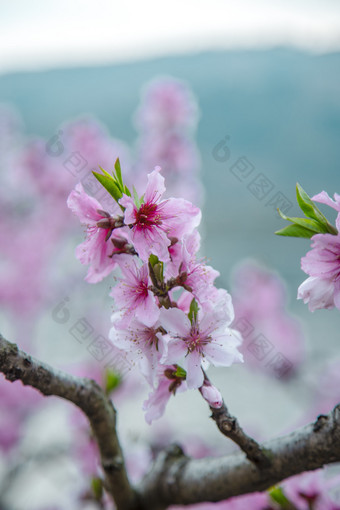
(280, 109)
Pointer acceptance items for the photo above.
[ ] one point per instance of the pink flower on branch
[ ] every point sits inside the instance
(169, 383)
(192, 273)
(102, 243)
(322, 263)
(133, 296)
(141, 341)
(153, 222)
(207, 339)
(211, 394)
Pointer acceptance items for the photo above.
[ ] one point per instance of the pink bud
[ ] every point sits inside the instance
(212, 396)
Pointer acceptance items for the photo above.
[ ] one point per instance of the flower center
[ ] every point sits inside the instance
(196, 341)
(142, 290)
(147, 215)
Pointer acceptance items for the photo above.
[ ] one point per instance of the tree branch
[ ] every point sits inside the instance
(177, 479)
(90, 398)
(230, 427)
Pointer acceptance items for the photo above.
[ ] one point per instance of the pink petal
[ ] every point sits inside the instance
(193, 367)
(149, 365)
(175, 321)
(318, 293)
(212, 396)
(147, 311)
(156, 403)
(223, 351)
(150, 241)
(84, 206)
(130, 208)
(183, 217)
(174, 350)
(337, 293)
(120, 339)
(155, 187)
(324, 198)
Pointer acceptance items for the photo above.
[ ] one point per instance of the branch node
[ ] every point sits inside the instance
(14, 374)
(112, 465)
(228, 425)
(174, 451)
(27, 362)
(320, 422)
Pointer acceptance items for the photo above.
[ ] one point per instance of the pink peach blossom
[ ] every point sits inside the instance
(207, 339)
(139, 339)
(211, 395)
(322, 264)
(99, 250)
(192, 272)
(168, 384)
(155, 221)
(133, 296)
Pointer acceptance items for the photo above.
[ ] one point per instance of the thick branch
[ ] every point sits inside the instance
(90, 398)
(176, 479)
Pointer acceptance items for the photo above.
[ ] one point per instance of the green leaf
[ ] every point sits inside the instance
(276, 494)
(155, 270)
(97, 488)
(153, 259)
(295, 231)
(112, 381)
(193, 311)
(136, 198)
(314, 223)
(308, 206)
(315, 226)
(312, 211)
(158, 270)
(105, 172)
(180, 372)
(157, 267)
(119, 173)
(127, 191)
(109, 185)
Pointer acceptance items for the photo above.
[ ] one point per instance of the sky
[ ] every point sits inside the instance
(42, 34)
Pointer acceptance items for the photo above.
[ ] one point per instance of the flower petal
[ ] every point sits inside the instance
(223, 351)
(174, 350)
(195, 376)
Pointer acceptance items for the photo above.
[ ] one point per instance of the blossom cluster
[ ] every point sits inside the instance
(168, 314)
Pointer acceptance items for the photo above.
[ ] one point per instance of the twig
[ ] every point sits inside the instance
(230, 427)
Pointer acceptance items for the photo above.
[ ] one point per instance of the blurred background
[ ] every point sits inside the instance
(255, 87)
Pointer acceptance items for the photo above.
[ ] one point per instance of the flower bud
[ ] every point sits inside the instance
(211, 395)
